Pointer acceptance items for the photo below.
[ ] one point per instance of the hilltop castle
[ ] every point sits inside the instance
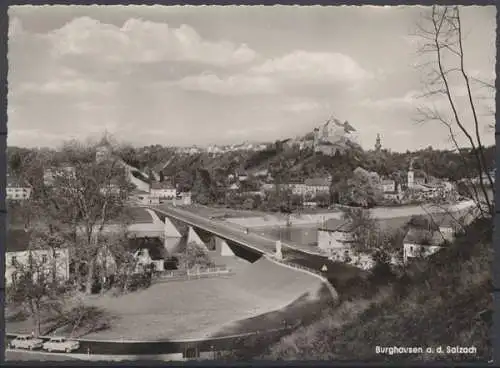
(332, 137)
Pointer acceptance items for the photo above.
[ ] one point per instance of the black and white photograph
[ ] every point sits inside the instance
(250, 183)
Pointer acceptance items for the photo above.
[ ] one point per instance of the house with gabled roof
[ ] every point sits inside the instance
(19, 252)
(337, 244)
(422, 243)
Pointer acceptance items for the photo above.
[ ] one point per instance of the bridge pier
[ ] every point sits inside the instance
(278, 254)
(193, 237)
(222, 247)
(170, 231)
(171, 244)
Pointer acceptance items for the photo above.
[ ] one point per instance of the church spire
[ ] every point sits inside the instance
(378, 145)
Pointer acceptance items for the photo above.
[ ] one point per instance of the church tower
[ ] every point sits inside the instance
(103, 151)
(411, 176)
(378, 146)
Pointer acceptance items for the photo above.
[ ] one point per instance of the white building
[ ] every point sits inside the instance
(388, 186)
(184, 199)
(146, 198)
(163, 190)
(411, 176)
(65, 172)
(18, 254)
(17, 190)
(336, 243)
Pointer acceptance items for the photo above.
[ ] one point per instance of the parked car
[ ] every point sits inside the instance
(26, 342)
(61, 344)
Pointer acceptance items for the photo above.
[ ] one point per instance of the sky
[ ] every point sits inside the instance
(219, 75)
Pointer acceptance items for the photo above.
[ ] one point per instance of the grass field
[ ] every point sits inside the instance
(201, 308)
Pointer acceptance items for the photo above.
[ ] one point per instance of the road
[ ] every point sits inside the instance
(231, 232)
(20, 355)
(155, 350)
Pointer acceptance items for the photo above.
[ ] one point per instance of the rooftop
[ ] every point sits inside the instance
(13, 182)
(161, 185)
(17, 240)
(317, 182)
(424, 237)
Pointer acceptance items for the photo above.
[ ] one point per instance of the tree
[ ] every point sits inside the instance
(442, 35)
(322, 199)
(34, 290)
(297, 201)
(193, 256)
(151, 176)
(202, 187)
(361, 227)
(183, 180)
(249, 203)
(365, 188)
(162, 176)
(81, 204)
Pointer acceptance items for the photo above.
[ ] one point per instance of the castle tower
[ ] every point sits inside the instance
(316, 138)
(411, 175)
(378, 146)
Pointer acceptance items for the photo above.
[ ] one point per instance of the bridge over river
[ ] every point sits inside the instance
(228, 231)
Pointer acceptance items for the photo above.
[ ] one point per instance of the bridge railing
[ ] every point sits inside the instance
(190, 274)
(319, 274)
(299, 267)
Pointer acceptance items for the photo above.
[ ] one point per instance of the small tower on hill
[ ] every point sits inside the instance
(378, 145)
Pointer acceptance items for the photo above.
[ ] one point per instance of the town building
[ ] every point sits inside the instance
(17, 190)
(332, 137)
(18, 253)
(183, 199)
(421, 243)
(143, 197)
(336, 243)
(388, 186)
(411, 176)
(64, 172)
(163, 190)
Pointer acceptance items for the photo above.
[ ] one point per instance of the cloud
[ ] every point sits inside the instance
(233, 85)
(322, 67)
(301, 106)
(410, 99)
(69, 86)
(142, 41)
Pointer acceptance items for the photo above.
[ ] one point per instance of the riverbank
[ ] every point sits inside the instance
(305, 220)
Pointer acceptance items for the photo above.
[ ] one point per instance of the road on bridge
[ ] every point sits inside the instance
(227, 231)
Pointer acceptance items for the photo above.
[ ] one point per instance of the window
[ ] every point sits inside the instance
(56, 255)
(44, 258)
(13, 260)
(14, 278)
